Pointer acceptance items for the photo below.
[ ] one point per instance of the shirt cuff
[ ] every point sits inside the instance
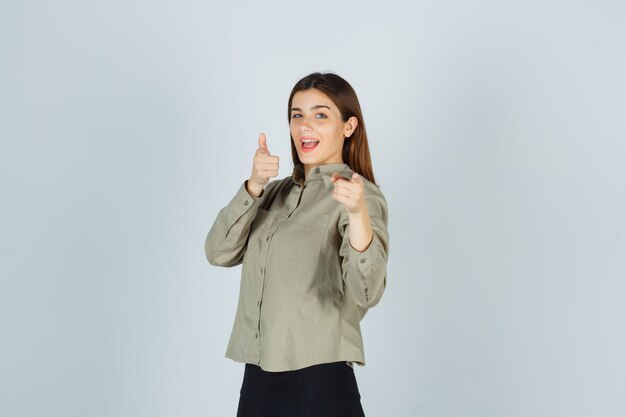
(242, 202)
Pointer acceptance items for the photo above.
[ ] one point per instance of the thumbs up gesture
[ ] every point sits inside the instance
(350, 192)
(264, 166)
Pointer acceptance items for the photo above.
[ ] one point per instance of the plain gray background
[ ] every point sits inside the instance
(498, 136)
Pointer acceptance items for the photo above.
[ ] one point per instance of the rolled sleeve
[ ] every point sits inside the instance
(365, 273)
(226, 240)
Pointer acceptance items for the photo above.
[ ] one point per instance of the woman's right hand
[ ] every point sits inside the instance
(264, 166)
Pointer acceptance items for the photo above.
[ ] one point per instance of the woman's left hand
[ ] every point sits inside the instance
(350, 192)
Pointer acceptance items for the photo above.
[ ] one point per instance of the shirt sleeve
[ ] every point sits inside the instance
(365, 273)
(226, 241)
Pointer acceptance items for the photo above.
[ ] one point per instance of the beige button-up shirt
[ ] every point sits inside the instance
(304, 288)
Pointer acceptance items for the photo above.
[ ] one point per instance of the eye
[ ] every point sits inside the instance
(298, 116)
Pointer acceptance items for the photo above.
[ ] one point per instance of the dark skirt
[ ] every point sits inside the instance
(324, 390)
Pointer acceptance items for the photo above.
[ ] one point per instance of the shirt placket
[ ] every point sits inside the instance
(261, 286)
(292, 203)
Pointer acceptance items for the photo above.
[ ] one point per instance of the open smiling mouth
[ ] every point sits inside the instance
(309, 144)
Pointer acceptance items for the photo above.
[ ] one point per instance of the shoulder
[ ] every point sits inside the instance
(375, 201)
(271, 190)
(278, 184)
(372, 190)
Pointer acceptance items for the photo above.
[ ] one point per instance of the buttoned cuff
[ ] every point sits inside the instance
(242, 202)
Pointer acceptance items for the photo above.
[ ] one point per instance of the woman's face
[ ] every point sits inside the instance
(317, 129)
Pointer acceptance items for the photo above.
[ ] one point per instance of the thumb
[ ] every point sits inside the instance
(263, 143)
(356, 178)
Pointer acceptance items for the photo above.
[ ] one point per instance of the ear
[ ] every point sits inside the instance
(350, 126)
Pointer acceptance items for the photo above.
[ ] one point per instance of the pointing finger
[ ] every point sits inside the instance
(263, 142)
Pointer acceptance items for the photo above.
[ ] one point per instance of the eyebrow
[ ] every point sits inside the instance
(319, 106)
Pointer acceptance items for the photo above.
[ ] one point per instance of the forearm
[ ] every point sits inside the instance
(360, 230)
(254, 189)
(225, 241)
(364, 251)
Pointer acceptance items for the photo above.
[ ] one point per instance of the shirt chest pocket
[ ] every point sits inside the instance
(301, 236)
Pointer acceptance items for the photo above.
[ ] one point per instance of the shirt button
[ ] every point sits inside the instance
(258, 303)
(245, 203)
(362, 261)
(317, 170)
(256, 335)
(267, 238)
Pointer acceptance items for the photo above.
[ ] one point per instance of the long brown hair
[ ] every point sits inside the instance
(355, 151)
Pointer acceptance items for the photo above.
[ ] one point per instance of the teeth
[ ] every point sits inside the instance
(309, 140)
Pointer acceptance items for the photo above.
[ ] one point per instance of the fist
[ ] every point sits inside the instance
(350, 192)
(264, 165)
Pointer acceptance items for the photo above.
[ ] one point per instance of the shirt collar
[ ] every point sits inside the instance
(320, 171)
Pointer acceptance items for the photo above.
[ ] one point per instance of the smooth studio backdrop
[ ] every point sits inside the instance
(498, 136)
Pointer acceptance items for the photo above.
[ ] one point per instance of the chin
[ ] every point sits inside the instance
(308, 160)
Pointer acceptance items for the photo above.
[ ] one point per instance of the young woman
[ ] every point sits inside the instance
(313, 248)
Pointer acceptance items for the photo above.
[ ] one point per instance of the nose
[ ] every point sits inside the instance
(305, 127)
